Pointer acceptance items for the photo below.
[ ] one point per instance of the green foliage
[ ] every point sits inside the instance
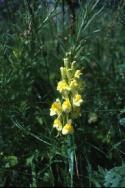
(109, 178)
(32, 48)
(10, 161)
(115, 177)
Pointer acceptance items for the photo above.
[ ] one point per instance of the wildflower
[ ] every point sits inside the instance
(77, 74)
(68, 128)
(73, 84)
(70, 87)
(56, 108)
(66, 106)
(77, 100)
(62, 86)
(57, 124)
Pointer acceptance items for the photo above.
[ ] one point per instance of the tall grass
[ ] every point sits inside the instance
(32, 47)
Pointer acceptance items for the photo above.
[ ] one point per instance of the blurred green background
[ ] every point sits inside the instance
(34, 37)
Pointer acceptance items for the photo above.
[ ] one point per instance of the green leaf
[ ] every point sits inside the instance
(122, 121)
(115, 177)
(11, 161)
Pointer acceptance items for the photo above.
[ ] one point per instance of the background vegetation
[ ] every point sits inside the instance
(34, 38)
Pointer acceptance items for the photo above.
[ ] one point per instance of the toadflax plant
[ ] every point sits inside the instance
(67, 107)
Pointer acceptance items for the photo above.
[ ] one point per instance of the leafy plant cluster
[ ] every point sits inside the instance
(33, 43)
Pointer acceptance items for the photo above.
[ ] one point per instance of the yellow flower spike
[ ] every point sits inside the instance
(68, 128)
(57, 124)
(66, 106)
(77, 100)
(70, 88)
(73, 84)
(77, 74)
(56, 108)
(62, 86)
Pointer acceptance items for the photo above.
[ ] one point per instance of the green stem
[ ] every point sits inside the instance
(70, 151)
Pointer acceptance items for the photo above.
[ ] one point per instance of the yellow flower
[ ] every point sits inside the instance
(68, 128)
(56, 108)
(77, 74)
(57, 124)
(66, 106)
(77, 100)
(62, 86)
(73, 84)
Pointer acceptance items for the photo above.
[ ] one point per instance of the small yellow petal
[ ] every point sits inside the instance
(62, 86)
(73, 84)
(77, 100)
(77, 74)
(56, 108)
(57, 124)
(68, 129)
(66, 106)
